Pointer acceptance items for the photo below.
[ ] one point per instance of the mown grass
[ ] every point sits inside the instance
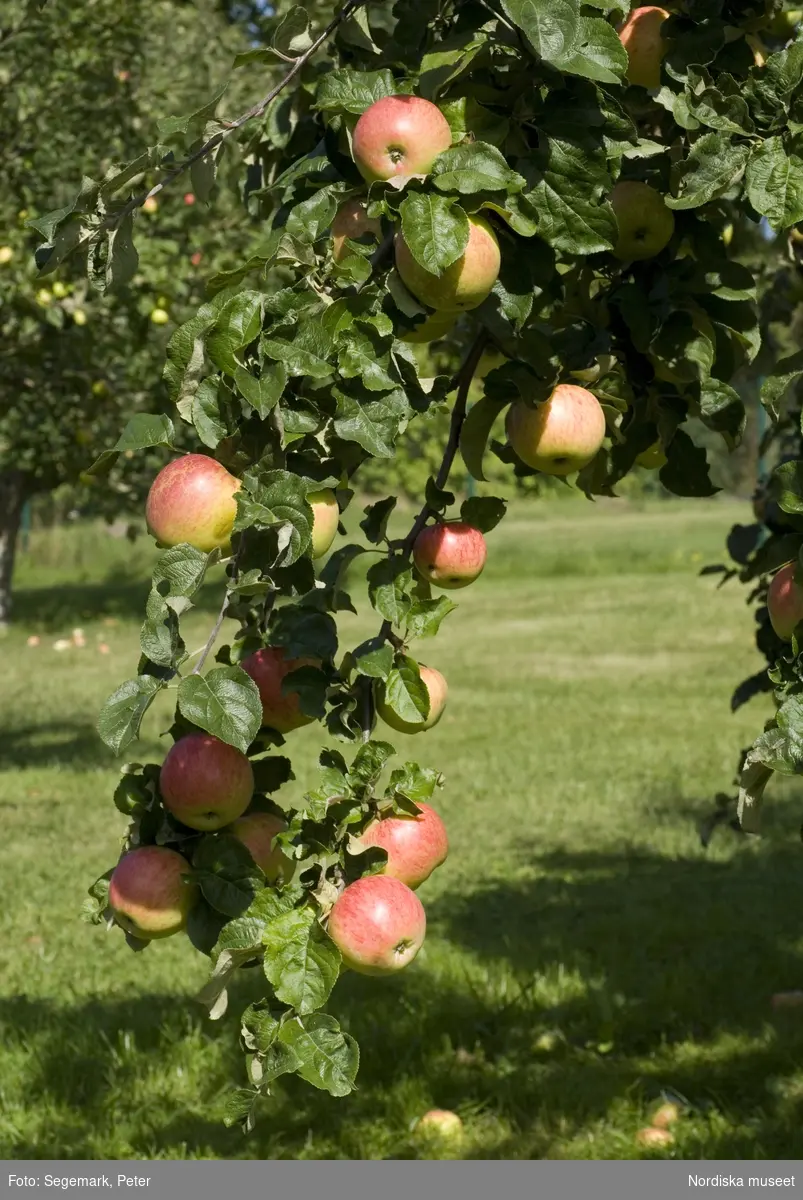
(584, 955)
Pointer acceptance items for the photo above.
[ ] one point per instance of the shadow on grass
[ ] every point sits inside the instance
(74, 744)
(645, 973)
(121, 596)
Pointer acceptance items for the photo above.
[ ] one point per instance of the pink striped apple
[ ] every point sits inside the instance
(450, 554)
(205, 783)
(147, 894)
(280, 710)
(352, 223)
(399, 135)
(192, 500)
(257, 831)
(785, 601)
(378, 924)
(415, 845)
(562, 434)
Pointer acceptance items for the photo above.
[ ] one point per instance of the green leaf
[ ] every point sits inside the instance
(405, 692)
(347, 91)
(237, 325)
(238, 1107)
(145, 430)
(244, 932)
(292, 34)
(373, 658)
(183, 131)
(568, 200)
(787, 481)
(476, 431)
(414, 782)
(182, 568)
(774, 183)
(368, 764)
(363, 357)
(722, 409)
(374, 424)
(277, 500)
(159, 637)
(712, 167)
(301, 961)
(390, 583)
(122, 259)
(121, 715)
(425, 616)
(550, 26)
(777, 384)
(227, 876)
(304, 633)
(225, 703)
(475, 167)
(328, 1058)
(597, 54)
(375, 523)
(310, 219)
(206, 416)
(264, 393)
(435, 229)
(686, 472)
(483, 512)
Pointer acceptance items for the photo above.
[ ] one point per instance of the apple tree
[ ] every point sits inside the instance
(496, 175)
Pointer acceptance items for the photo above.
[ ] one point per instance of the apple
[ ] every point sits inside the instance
(257, 832)
(785, 602)
(159, 316)
(6, 255)
(352, 222)
(416, 845)
(43, 297)
(562, 434)
(123, 76)
(463, 285)
(437, 690)
(189, 198)
(641, 37)
(378, 924)
(192, 500)
(280, 710)
(654, 1138)
(79, 316)
(645, 223)
(196, 258)
(206, 783)
(325, 518)
(399, 135)
(441, 1124)
(147, 894)
(437, 325)
(727, 234)
(59, 289)
(653, 458)
(150, 205)
(450, 554)
(760, 51)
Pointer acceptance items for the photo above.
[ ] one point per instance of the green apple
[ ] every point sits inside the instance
(463, 285)
(325, 517)
(645, 223)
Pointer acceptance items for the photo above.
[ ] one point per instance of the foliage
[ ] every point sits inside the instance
(294, 374)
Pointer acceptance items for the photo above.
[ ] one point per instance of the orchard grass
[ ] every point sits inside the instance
(585, 955)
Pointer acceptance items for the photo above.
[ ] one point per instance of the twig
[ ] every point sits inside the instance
(196, 670)
(257, 111)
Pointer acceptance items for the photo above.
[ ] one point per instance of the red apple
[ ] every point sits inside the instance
(257, 832)
(196, 258)
(147, 894)
(268, 667)
(205, 783)
(189, 198)
(785, 601)
(192, 500)
(450, 554)
(416, 845)
(352, 222)
(562, 434)
(325, 518)
(641, 37)
(463, 285)
(378, 924)
(437, 690)
(400, 135)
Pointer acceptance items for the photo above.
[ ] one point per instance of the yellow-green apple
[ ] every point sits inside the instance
(79, 316)
(560, 435)
(325, 516)
(463, 285)
(415, 845)
(378, 924)
(6, 255)
(159, 316)
(641, 37)
(193, 500)
(205, 783)
(147, 894)
(257, 831)
(450, 554)
(644, 222)
(436, 326)
(352, 222)
(653, 457)
(440, 1124)
(280, 710)
(785, 601)
(399, 135)
(437, 690)
(59, 289)
(151, 204)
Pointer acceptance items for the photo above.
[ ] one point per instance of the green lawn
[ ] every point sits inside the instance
(584, 953)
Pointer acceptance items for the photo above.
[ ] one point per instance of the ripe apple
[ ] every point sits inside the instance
(352, 221)
(437, 690)
(147, 894)
(325, 517)
(437, 325)
(280, 710)
(399, 135)
(641, 37)
(44, 297)
(463, 285)
(189, 198)
(653, 458)
(6, 255)
(562, 434)
(785, 602)
(416, 845)
(196, 258)
(205, 783)
(378, 924)
(150, 205)
(645, 223)
(440, 1124)
(257, 832)
(450, 554)
(192, 500)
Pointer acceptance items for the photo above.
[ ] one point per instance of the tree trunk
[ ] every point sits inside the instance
(12, 499)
